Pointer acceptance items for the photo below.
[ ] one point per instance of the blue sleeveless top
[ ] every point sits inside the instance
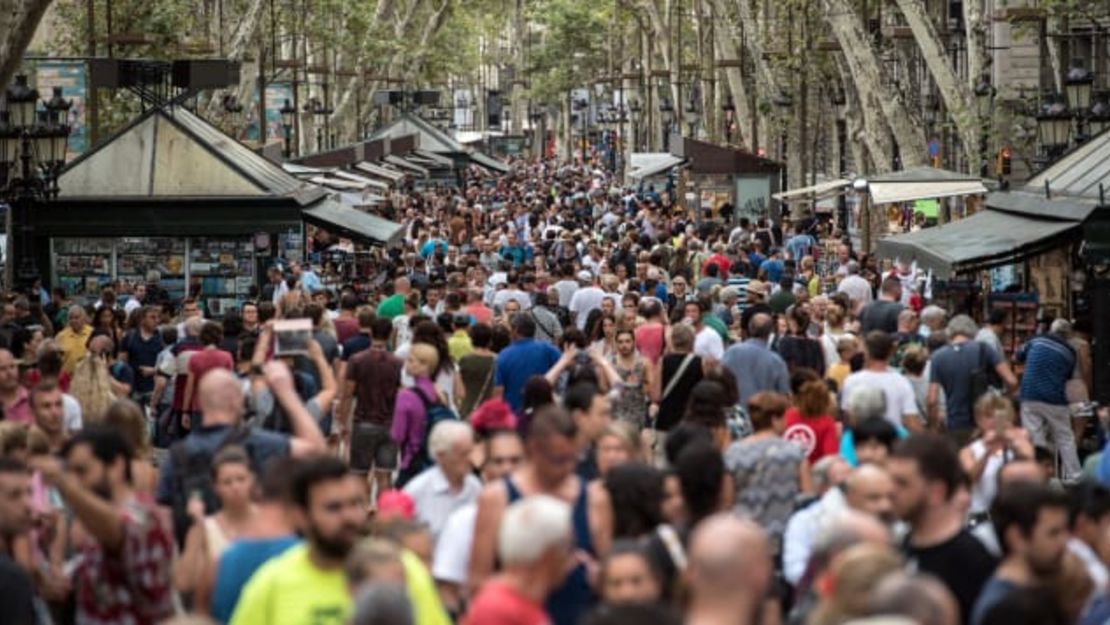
(571, 601)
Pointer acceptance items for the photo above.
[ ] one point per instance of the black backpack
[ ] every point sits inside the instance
(193, 474)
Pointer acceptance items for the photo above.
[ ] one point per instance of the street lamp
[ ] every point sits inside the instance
(729, 110)
(1099, 118)
(32, 153)
(692, 114)
(666, 111)
(1054, 125)
(1077, 84)
(634, 111)
(288, 117)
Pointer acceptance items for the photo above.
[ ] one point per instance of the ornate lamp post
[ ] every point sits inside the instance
(692, 114)
(666, 114)
(288, 117)
(1099, 117)
(1054, 125)
(32, 153)
(1077, 85)
(635, 110)
(729, 111)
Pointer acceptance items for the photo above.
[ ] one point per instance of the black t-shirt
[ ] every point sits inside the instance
(16, 593)
(961, 562)
(673, 406)
(880, 315)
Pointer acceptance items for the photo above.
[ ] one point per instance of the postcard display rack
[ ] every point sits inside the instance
(223, 269)
(220, 271)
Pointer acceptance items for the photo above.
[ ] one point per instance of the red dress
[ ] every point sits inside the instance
(818, 437)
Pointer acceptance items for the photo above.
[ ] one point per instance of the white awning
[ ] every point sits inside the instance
(890, 192)
(819, 190)
(380, 171)
(335, 183)
(659, 164)
(371, 182)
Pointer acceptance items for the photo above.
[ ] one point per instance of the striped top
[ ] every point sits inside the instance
(1049, 363)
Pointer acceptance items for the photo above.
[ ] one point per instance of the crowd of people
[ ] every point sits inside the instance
(561, 402)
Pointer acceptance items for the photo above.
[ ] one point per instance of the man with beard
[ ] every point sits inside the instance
(124, 570)
(1031, 521)
(306, 584)
(926, 472)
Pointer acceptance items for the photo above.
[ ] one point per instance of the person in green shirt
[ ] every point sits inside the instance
(306, 584)
(394, 305)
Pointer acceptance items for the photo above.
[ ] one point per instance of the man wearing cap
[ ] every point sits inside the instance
(756, 303)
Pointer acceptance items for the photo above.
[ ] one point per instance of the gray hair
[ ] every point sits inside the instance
(194, 325)
(852, 267)
(531, 527)
(1062, 327)
(78, 310)
(445, 434)
(382, 604)
(866, 402)
(962, 325)
(932, 313)
(821, 469)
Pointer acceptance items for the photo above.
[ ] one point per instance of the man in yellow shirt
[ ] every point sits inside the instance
(73, 340)
(459, 344)
(306, 584)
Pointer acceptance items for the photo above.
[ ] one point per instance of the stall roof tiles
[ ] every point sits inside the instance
(1079, 174)
(332, 215)
(430, 138)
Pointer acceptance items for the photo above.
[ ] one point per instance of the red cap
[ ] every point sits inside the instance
(396, 503)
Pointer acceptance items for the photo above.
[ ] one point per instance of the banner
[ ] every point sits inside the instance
(276, 95)
(70, 76)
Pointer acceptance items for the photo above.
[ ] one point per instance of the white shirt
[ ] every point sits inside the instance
(434, 500)
(566, 289)
(72, 413)
(505, 295)
(132, 305)
(857, 288)
(452, 553)
(1095, 568)
(804, 528)
(708, 344)
(583, 301)
(896, 388)
(279, 292)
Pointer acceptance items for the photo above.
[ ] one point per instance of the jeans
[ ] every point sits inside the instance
(1038, 418)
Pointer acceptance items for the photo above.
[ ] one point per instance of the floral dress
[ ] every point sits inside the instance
(632, 405)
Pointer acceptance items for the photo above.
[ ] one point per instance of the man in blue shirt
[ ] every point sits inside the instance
(773, 266)
(517, 253)
(525, 358)
(307, 279)
(754, 365)
(1049, 364)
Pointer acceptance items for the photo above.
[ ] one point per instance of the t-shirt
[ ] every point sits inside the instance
(142, 353)
(519, 362)
(497, 603)
(16, 593)
(583, 301)
(355, 344)
(132, 585)
(237, 565)
(345, 328)
(994, 591)
(262, 446)
(880, 315)
(392, 306)
(961, 562)
(673, 405)
(291, 590)
(708, 344)
(452, 550)
(377, 376)
(201, 363)
(182, 353)
(896, 388)
(951, 367)
(818, 437)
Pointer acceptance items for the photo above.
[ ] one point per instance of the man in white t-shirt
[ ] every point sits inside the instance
(585, 299)
(858, 289)
(901, 407)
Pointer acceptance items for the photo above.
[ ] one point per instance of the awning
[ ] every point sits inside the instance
(983, 240)
(659, 165)
(405, 164)
(379, 171)
(339, 219)
(436, 159)
(370, 182)
(820, 190)
(890, 192)
(489, 163)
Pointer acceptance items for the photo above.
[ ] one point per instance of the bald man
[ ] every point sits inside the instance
(729, 571)
(869, 489)
(221, 406)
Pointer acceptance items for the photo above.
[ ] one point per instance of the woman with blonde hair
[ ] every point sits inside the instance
(620, 443)
(91, 386)
(995, 442)
(127, 417)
